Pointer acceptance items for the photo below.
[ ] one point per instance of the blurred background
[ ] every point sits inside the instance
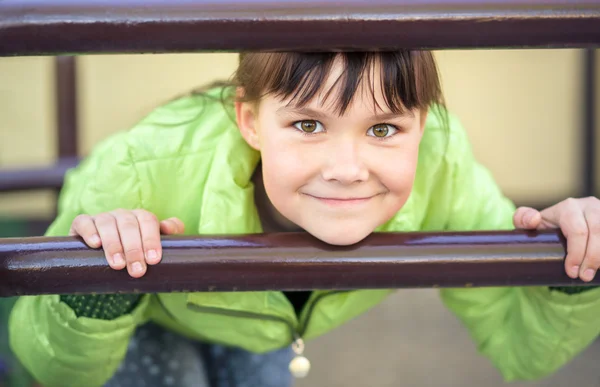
(523, 109)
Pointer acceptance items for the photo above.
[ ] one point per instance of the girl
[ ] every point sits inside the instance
(337, 144)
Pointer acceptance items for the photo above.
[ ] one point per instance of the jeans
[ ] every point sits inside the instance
(160, 358)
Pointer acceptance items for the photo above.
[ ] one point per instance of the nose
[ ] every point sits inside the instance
(343, 163)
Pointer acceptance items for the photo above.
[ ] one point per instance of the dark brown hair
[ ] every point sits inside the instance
(409, 79)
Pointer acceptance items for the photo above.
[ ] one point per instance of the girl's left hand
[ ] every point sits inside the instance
(579, 221)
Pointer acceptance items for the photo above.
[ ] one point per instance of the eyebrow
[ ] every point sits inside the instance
(323, 116)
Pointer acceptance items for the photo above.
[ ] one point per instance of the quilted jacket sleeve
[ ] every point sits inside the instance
(56, 346)
(526, 332)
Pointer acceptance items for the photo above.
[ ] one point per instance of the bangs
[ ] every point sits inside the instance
(407, 79)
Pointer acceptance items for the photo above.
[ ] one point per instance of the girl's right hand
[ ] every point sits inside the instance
(129, 237)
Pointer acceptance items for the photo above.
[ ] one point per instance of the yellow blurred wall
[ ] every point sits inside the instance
(520, 107)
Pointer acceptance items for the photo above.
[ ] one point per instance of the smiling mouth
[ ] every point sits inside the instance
(342, 202)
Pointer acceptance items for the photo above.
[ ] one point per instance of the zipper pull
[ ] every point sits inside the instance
(299, 366)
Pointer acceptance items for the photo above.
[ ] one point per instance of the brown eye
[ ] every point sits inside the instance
(382, 130)
(309, 126)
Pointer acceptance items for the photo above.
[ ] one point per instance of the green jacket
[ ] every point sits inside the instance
(187, 159)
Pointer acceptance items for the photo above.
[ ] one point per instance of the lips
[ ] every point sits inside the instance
(342, 201)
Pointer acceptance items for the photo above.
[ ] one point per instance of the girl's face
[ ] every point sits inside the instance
(337, 177)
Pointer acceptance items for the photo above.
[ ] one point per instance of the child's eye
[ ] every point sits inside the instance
(382, 131)
(309, 126)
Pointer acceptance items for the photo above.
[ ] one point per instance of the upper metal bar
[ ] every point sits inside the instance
(292, 261)
(36, 27)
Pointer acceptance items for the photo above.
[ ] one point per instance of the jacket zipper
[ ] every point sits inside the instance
(300, 365)
(311, 308)
(234, 313)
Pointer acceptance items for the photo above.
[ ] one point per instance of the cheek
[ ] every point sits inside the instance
(400, 177)
(397, 172)
(281, 163)
(286, 168)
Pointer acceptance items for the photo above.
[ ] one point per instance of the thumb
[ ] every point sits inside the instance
(527, 218)
(172, 226)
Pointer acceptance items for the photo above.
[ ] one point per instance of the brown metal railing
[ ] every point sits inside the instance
(292, 261)
(27, 179)
(279, 261)
(60, 26)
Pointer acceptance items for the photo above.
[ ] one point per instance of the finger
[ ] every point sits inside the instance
(591, 261)
(111, 241)
(83, 226)
(129, 231)
(150, 232)
(551, 216)
(527, 218)
(172, 226)
(574, 228)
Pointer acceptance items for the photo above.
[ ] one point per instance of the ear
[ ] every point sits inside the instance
(246, 117)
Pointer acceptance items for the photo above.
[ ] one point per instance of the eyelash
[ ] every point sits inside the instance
(309, 134)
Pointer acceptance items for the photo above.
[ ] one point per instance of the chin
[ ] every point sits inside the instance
(340, 236)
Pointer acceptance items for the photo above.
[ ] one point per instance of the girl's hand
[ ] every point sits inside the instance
(129, 238)
(579, 221)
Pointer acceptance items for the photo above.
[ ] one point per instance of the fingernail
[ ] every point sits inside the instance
(136, 267)
(589, 274)
(151, 255)
(118, 259)
(575, 271)
(95, 239)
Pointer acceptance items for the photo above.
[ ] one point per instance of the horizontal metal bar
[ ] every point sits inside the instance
(35, 27)
(292, 261)
(26, 179)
